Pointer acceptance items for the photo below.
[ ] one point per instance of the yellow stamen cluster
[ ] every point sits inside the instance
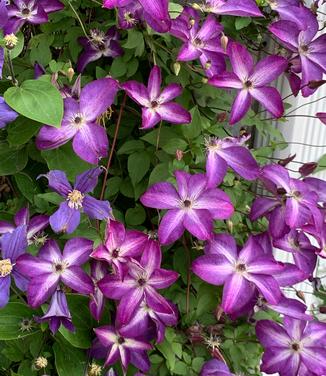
(10, 41)
(40, 362)
(75, 199)
(5, 267)
(94, 370)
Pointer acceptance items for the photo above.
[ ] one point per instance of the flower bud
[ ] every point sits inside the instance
(322, 309)
(316, 84)
(204, 80)
(176, 68)
(94, 370)
(40, 362)
(10, 41)
(70, 73)
(308, 168)
(224, 41)
(179, 154)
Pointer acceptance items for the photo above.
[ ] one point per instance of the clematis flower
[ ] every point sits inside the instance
(97, 299)
(155, 13)
(311, 50)
(225, 152)
(251, 81)
(13, 245)
(90, 141)
(7, 115)
(192, 206)
(34, 225)
(242, 8)
(120, 246)
(51, 267)
(240, 272)
(67, 217)
(296, 348)
(215, 367)
(98, 45)
(57, 313)
(157, 105)
(139, 285)
(319, 233)
(304, 253)
(123, 346)
(29, 11)
(130, 15)
(200, 42)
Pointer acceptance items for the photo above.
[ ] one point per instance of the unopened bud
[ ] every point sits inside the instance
(192, 21)
(221, 117)
(308, 168)
(286, 161)
(176, 68)
(179, 154)
(300, 295)
(70, 73)
(40, 362)
(10, 41)
(204, 80)
(229, 224)
(195, 334)
(316, 84)
(322, 309)
(224, 41)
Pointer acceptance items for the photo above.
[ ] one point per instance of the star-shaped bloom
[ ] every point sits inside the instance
(123, 346)
(13, 244)
(157, 105)
(203, 42)
(90, 141)
(57, 313)
(241, 272)
(251, 81)
(304, 43)
(99, 44)
(229, 151)
(67, 217)
(29, 11)
(296, 348)
(139, 284)
(242, 8)
(51, 267)
(120, 246)
(192, 206)
(34, 225)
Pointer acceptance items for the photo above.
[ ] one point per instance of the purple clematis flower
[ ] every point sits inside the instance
(225, 152)
(30, 11)
(13, 245)
(302, 42)
(157, 105)
(99, 44)
(139, 285)
(240, 272)
(120, 246)
(215, 367)
(7, 115)
(130, 15)
(90, 141)
(251, 81)
(319, 233)
(304, 253)
(67, 217)
(51, 267)
(296, 348)
(200, 42)
(58, 313)
(242, 8)
(97, 299)
(34, 225)
(192, 206)
(155, 13)
(123, 345)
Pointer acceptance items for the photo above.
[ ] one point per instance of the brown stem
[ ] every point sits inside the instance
(184, 241)
(113, 146)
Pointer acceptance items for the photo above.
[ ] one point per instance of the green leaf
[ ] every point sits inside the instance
(131, 146)
(52, 197)
(65, 159)
(175, 10)
(138, 165)
(113, 186)
(11, 319)
(21, 131)
(166, 350)
(69, 361)
(159, 173)
(37, 100)
(135, 40)
(180, 368)
(321, 164)
(193, 129)
(135, 216)
(174, 144)
(242, 22)
(118, 68)
(12, 159)
(26, 186)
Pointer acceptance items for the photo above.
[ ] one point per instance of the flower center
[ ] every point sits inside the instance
(141, 281)
(295, 346)
(213, 144)
(121, 340)
(154, 104)
(26, 12)
(248, 85)
(296, 195)
(78, 121)
(241, 267)
(5, 267)
(75, 199)
(187, 203)
(304, 49)
(59, 267)
(129, 18)
(97, 36)
(197, 42)
(115, 253)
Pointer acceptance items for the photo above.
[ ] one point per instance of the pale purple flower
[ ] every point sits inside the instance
(34, 225)
(193, 206)
(303, 42)
(57, 313)
(231, 152)
(90, 141)
(29, 11)
(215, 367)
(98, 45)
(242, 8)
(120, 246)
(157, 105)
(251, 81)
(296, 348)
(154, 12)
(51, 267)
(203, 42)
(139, 284)
(66, 219)
(122, 345)
(241, 272)
(7, 115)
(13, 245)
